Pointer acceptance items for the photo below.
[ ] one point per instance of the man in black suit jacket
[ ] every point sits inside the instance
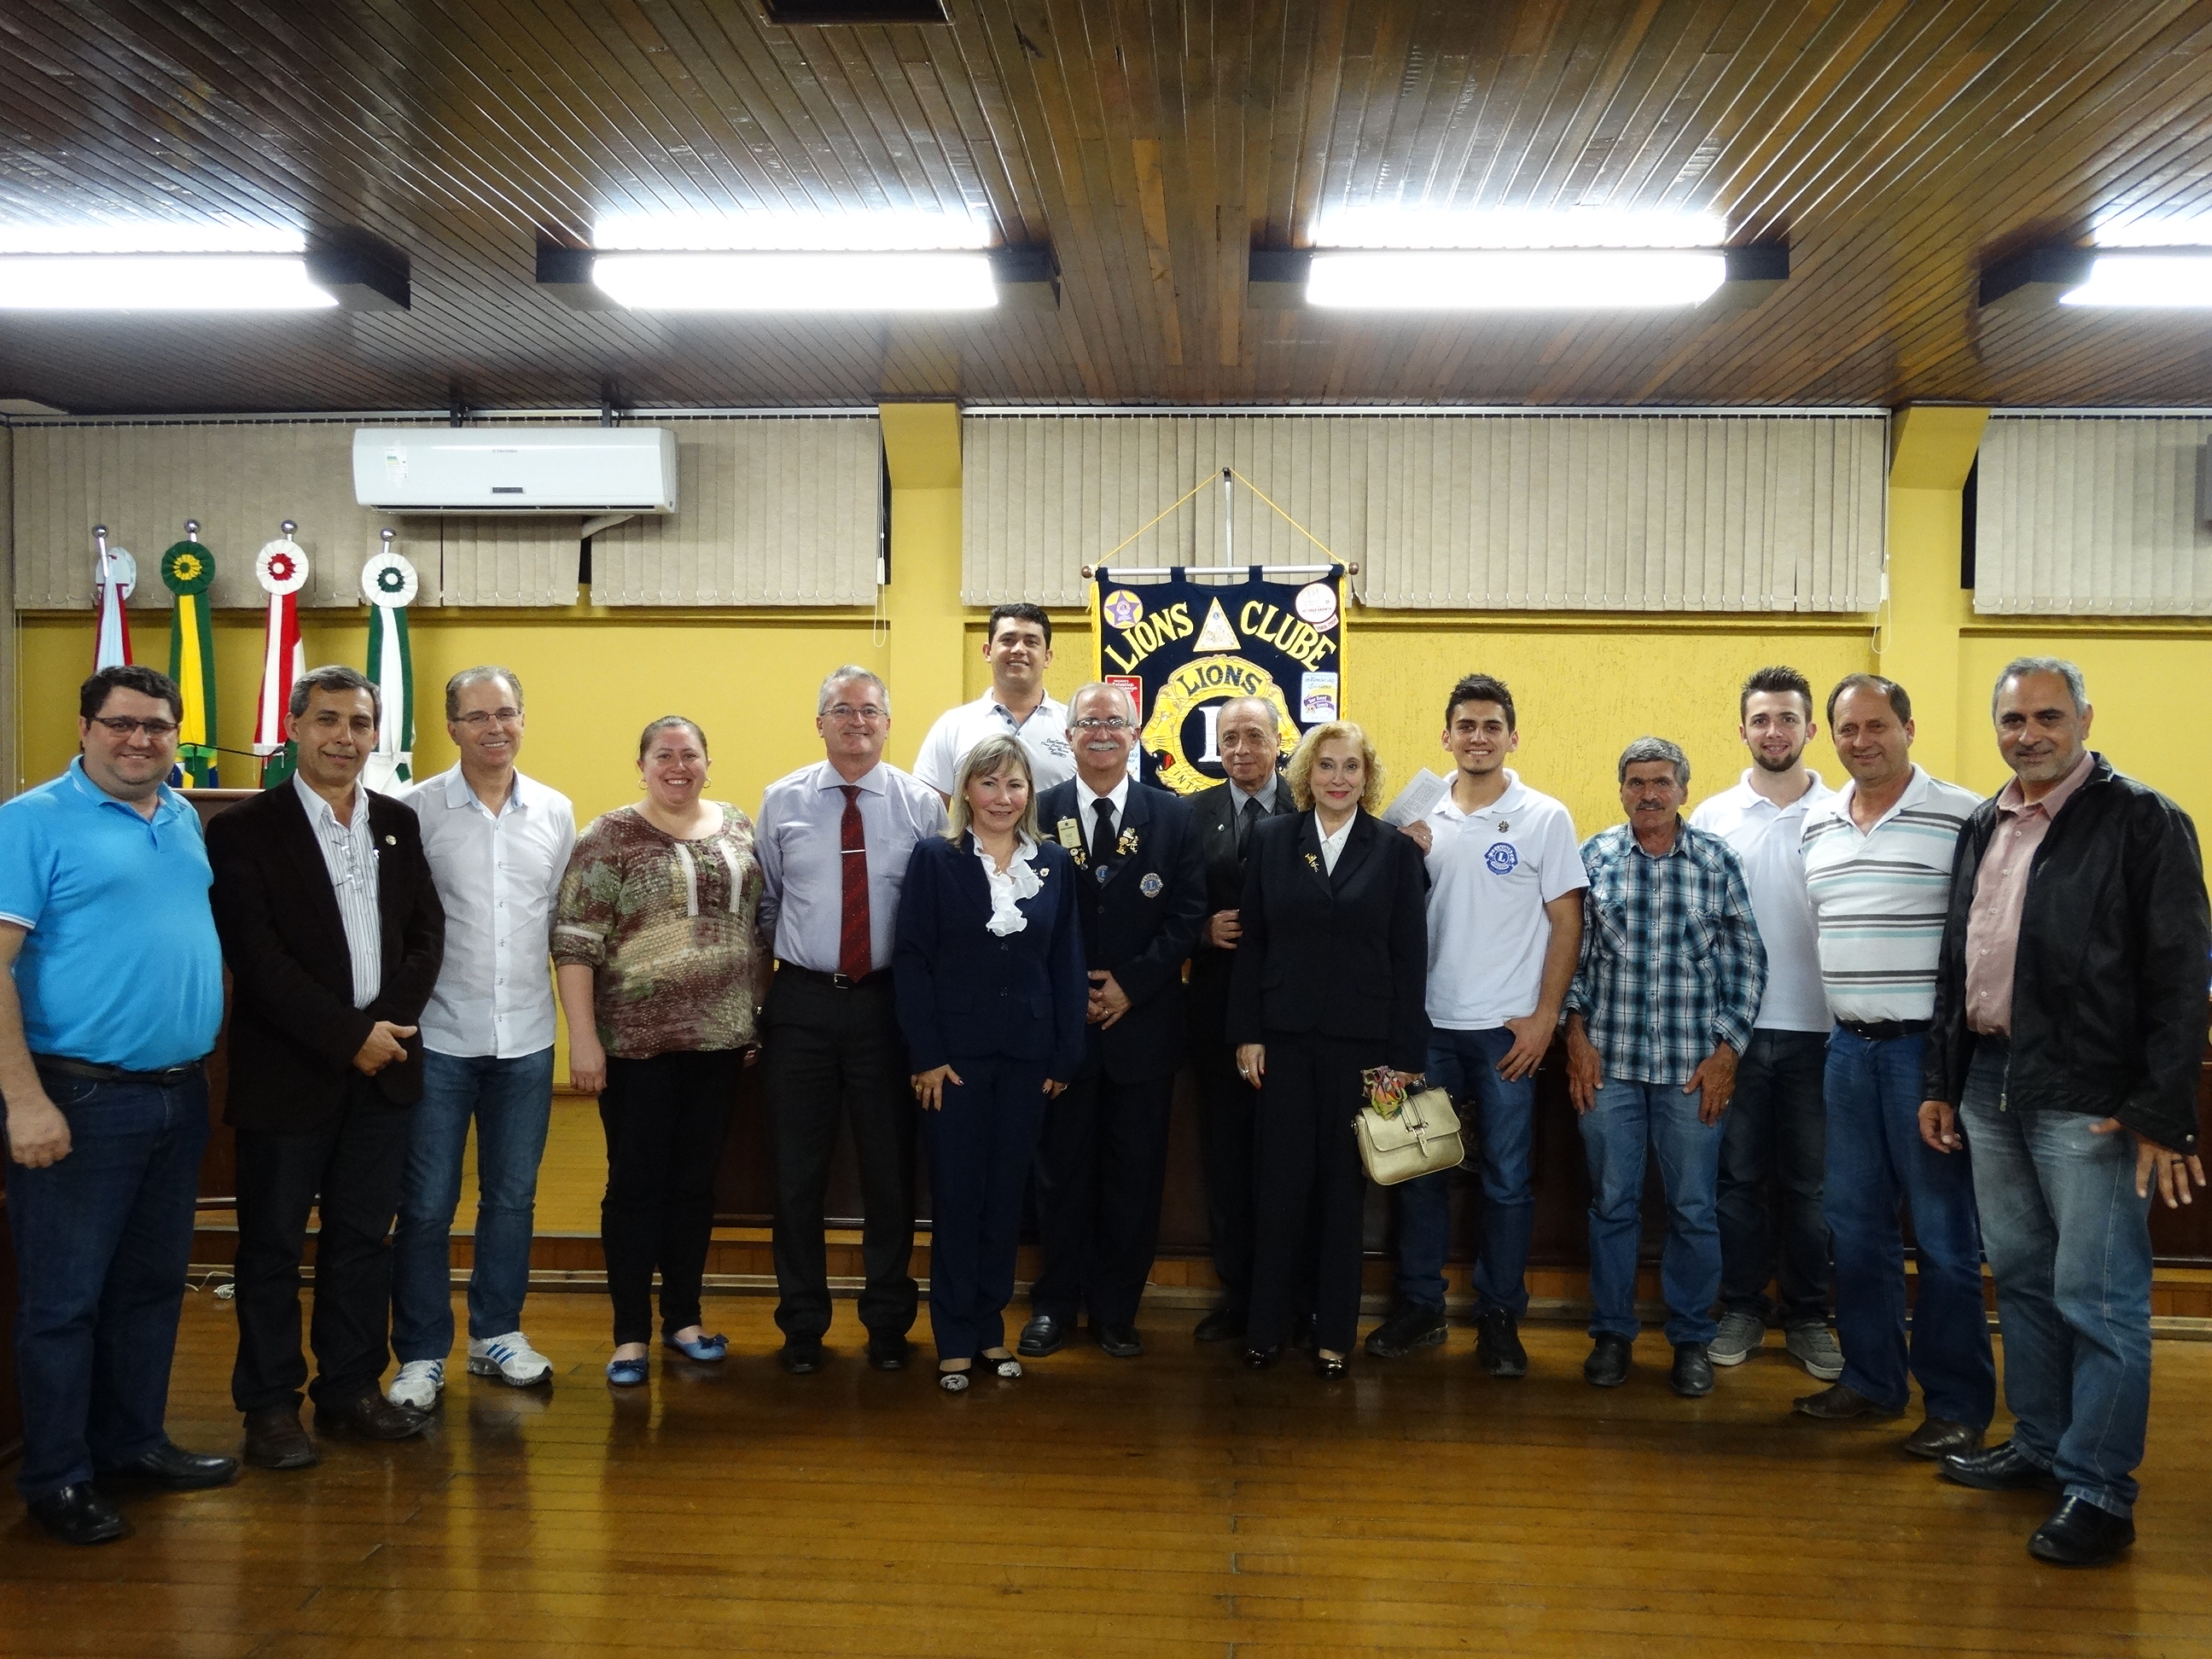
(333, 930)
(1102, 1162)
(1247, 733)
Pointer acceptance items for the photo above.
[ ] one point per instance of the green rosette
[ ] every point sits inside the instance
(188, 571)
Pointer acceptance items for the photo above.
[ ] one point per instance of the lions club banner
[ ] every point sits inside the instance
(1183, 645)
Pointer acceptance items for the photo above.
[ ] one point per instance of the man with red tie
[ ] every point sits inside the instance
(833, 840)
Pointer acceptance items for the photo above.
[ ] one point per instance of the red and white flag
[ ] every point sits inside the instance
(282, 570)
(114, 574)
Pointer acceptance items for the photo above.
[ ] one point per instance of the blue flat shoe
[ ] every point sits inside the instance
(626, 1373)
(700, 1348)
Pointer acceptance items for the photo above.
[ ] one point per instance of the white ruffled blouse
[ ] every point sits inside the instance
(1010, 886)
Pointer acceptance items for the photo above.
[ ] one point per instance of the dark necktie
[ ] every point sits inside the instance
(1102, 834)
(855, 951)
(1245, 821)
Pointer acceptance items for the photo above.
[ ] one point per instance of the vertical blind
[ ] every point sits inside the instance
(1595, 512)
(2093, 516)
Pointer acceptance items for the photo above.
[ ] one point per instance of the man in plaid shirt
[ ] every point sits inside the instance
(1670, 980)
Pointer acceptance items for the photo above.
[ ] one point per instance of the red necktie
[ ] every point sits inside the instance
(856, 951)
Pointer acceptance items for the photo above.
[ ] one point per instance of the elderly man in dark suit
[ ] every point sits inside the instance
(333, 928)
(1247, 732)
(1100, 1168)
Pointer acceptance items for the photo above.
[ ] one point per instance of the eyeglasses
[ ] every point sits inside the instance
(477, 719)
(1111, 723)
(866, 712)
(157, 730)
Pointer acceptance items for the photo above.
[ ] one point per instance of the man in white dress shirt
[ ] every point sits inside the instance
(833, 840)
(497, 843)
(1017, 644)
(1774, 1140)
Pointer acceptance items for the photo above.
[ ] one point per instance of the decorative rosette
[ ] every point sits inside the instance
(390, 579)
(121, 568)
(281, 566)
(186, 567)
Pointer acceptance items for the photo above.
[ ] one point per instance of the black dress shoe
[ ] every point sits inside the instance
(1607, 1364)
(1120, 1341)
(887, 1350)
(1693, 1374)
(1497, 1349)
(275, 1440)
(1328, 1366)
(1043, 1335)
(370, 1416)
(78, 1514)
(2080, 1534)
(801, 1355)
(1839, 1401)
(1259, 1359)
(1939, 1438)
(1220, 1326)
(2003, 1467)
(170, 1465)
(1413, 1325)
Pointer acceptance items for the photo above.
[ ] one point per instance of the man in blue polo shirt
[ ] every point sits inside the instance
(114, 999)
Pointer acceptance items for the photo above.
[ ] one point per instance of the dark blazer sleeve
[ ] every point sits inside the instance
(1409, 952)
(916, 951)
(2176, 938)
(1159, 964)
(246, 853)
(408, 896)
(1071, 981)
(1249, 966)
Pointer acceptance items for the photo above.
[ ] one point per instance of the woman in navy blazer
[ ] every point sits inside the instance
(1330, 980)
(991, 989)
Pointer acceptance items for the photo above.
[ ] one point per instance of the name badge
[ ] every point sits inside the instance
(1070, 834)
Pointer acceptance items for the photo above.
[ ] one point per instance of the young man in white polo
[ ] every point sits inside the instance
(1018, 645)
(1506, 923)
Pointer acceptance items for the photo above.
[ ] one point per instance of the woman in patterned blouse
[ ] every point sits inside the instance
(660, 970)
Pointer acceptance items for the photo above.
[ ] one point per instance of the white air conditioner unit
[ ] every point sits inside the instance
(516, 469)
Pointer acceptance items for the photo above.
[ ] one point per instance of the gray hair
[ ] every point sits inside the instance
(1089, 686)
(333, 677)
(1656, 749)
(2059, 666)
(851, 671)
(469, 676)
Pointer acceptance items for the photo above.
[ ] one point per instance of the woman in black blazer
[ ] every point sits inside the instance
(1329, 981)
(989, 976)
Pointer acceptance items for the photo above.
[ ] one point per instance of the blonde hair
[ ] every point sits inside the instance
(1299, 774)
(991, 755)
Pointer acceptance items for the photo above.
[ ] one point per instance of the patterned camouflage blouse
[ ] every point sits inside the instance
(668, 929)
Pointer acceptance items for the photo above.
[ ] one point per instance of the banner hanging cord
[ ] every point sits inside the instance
(1215, 477)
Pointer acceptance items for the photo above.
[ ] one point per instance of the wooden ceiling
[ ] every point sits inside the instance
(1895, 145)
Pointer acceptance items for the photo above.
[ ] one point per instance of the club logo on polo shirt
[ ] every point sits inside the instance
(1502, 858)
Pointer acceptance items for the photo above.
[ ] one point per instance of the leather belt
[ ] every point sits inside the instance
(836, 982)
(1881, 1030)
(167, 1079)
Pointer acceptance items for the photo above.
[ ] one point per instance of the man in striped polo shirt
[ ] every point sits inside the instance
(1878, 870)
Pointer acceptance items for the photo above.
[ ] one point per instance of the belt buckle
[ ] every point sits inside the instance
(843, 982)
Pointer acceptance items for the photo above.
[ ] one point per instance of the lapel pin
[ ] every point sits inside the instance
(1150, 886)
(391, 840)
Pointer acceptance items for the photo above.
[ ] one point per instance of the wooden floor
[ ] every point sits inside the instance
(1170, 1506)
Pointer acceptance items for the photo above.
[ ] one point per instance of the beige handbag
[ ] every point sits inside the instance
(1420, 1137)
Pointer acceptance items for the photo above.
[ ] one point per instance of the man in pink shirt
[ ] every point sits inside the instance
(2071, 1019)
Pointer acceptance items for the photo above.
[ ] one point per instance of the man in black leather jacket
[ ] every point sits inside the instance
(2071, 1019)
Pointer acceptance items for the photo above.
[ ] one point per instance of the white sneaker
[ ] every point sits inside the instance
(418, 1385)
(511, 1359)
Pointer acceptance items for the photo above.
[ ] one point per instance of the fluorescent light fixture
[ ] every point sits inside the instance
(2171, 279)
(150, 236)
(1553, 279)
(2173, 235)
(889, 230)
(937, 280)
(1393, 226)
(158, 281)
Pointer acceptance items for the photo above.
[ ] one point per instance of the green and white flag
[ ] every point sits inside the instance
(390, 583)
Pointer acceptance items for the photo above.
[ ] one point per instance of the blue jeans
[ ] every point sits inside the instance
(512, 1101)
(1773, 1153)
(2069, 1243)
(1624, 1122)
(1876, 1158)
(1465, 1063)
(102, 1240)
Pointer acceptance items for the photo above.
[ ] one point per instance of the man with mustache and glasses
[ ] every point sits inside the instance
(1878, 871)
(2069, 1028)
(1661, 1005)
(1018, 645)
(110, 994)
(1773, 1140)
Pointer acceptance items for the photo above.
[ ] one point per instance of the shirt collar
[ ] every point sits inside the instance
(320, 810)
(93, 795)
(1119, 794)
(2012, 802)
(1815, 793)
(990, 701)
(870, 782)
(459, 794)
(1265, 794)
(1446, 807)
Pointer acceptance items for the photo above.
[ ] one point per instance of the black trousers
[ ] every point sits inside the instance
(831, 1058)
(1311, 1189)
(350, 1172)
(666, 1118)
(1101, 1168)
(1227, 1112)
